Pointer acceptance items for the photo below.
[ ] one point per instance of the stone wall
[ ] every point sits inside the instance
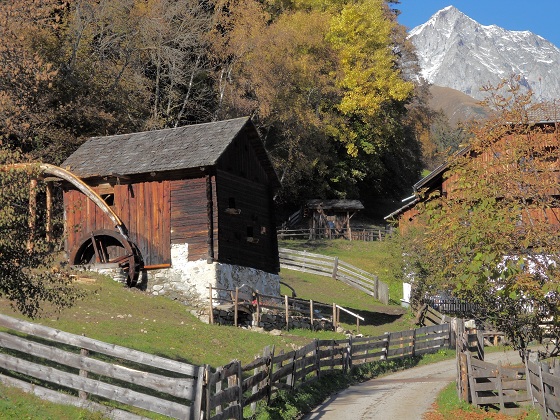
(188, 281)
(269, 321)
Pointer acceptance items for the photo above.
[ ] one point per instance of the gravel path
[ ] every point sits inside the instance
(406, 395)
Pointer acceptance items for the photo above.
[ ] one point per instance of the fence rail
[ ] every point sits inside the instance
(543, 386)
(288, 306)
(327, 266)
(59, 361)
(270, 373)
(72, 369)
(354, 234)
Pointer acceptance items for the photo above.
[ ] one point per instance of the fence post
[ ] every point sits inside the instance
(334, 320)
(82, 394)
(199, 396)
(287, 312)
(317, 359)
(335, 268)
(270, 365)
(311, 314)
(211, 308)
(258, 299)
(385, 349)
(235, 306)
(240, 386)
(350, 353)
(543, 367)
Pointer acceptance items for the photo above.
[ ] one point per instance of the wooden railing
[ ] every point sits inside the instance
(323, 265)
(355, 234)
(543, 386)
(72, 369)
(234, 386)
(289, 306)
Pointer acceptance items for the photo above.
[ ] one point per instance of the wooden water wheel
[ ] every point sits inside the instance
(107, 246)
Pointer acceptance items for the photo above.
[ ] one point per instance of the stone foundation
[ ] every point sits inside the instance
(188, 281)
(269, 321)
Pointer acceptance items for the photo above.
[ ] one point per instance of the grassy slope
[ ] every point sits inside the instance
(375, 257)
(157, 325)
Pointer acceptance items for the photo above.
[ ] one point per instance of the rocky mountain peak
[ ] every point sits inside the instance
(456, 51)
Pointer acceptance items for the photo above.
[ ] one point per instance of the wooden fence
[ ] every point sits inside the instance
(288, 306)
(323, 265)
(355, 234)
(233, 387)
(543, 387)
(72, 369)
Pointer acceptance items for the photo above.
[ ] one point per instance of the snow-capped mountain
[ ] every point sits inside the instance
(457, 52)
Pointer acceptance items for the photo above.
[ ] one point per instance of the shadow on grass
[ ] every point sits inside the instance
(373, 317)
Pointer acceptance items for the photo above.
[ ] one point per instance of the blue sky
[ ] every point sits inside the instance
(538, 16)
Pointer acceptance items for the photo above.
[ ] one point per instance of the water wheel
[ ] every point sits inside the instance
(107, 246)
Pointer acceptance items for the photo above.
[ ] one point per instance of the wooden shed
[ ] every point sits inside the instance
(205, 190)
(331, 218)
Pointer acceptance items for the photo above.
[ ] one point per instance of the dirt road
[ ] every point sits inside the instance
(405, 395)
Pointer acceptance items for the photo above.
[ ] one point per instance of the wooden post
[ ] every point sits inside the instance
(464, 377)
(334, 320)
(258, 309)
(32, 221)
(235, 306)
(311, 314)
(48, 216)
(335, 268)
(211, 308)
(385, 349)
(287, 312)
(83, 373)
(357, 325)
(270, 354)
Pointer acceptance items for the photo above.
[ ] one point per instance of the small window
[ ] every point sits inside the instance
(250, 231)
(109, 199)
(231, 203)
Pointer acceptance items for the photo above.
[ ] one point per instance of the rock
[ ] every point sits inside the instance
(275, 332)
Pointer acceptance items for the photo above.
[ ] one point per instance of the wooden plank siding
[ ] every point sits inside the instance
(254, 205)
(144, 208)
(189, 216)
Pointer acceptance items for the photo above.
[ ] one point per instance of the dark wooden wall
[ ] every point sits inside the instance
(143, 207)
(252, 212)
(189, 216)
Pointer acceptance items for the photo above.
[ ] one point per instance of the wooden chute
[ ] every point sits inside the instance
(94, 247)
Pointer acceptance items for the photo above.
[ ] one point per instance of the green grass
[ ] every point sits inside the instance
(377, 257)
(374, 257)
(16, 405)
(450, 407)
(158, 325)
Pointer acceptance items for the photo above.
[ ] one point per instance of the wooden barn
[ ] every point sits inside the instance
(542, 135)
(194, 199)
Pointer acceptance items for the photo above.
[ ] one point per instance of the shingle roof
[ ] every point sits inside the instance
(335, 204)
(170, 149)
(546, 112)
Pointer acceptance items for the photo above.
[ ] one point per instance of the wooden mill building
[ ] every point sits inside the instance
(198, 197)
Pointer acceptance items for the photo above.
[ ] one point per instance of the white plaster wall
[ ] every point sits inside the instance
(189, 280)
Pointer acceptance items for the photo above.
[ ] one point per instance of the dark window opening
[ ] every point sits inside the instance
(231, 203)
(249, 231)
(109, 199)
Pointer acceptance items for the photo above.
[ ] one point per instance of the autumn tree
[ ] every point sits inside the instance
(492, 239)
(322, 81)
(29, 275)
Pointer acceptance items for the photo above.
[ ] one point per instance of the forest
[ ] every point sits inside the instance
(332, 85)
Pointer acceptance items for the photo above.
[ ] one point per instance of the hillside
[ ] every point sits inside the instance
(457, 106)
